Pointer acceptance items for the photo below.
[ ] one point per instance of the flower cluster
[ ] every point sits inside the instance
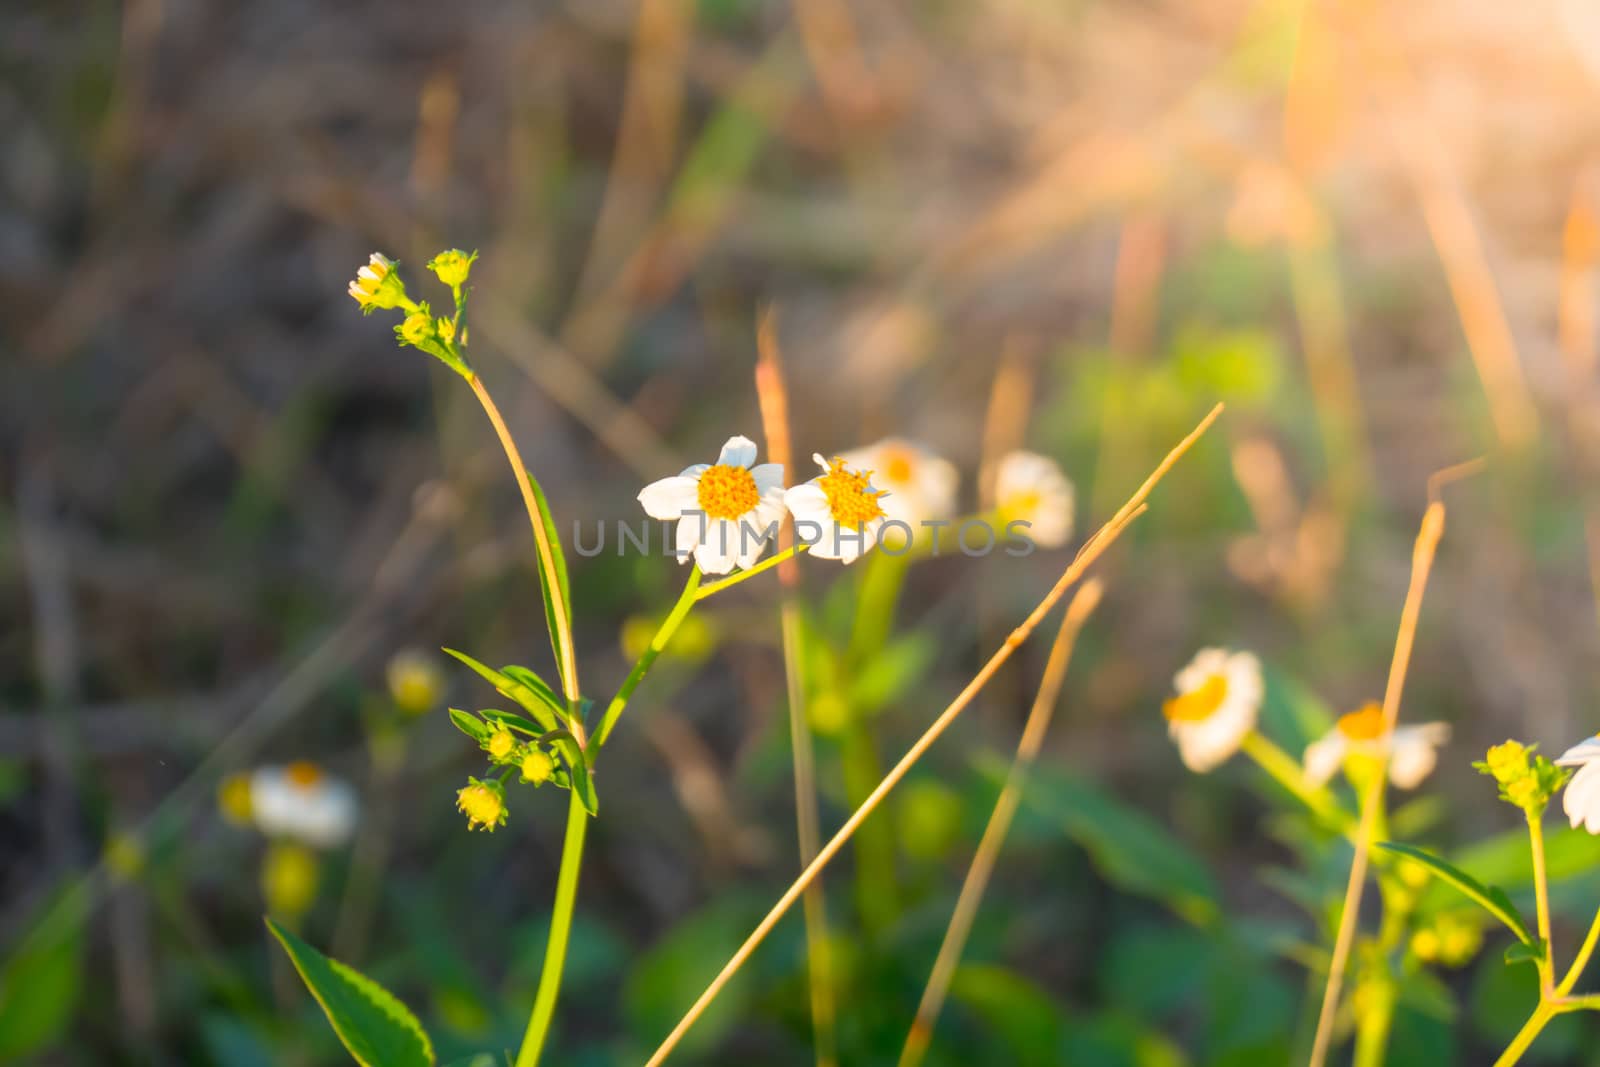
(379, 285)
(1526, 779)
(728, 511)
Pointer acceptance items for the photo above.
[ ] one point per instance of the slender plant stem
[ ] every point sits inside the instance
(783, 556)
(1541, 897)
(1581, 961)
(562, 637)
(994, 834)
(1422, 554)
(663, 634)
(555, 948)
(1530, 1030)
(774, 401)
(1090, 552)
(1372, 1032)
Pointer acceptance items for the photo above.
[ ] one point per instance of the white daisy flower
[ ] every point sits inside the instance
(726, 511)
(1219, 697)
(837, 513)
(300, 801)
(1413, 753)
(918, 485)
(1030, 488)
(1581, 801)
(376, 285)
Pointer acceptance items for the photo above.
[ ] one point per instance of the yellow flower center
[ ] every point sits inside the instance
(501, 743)
(898, 463)
(1199, 703)
(1365, 724)
(483, 806)
(303, 774)
(726, 491)
(851, 500)
(416, 328)
(1025, 502)
(537, 767)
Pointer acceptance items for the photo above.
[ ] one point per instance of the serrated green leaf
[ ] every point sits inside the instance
(469, 724)
(1491, 898)
(1522, 952)
(559, 621)
(375, 1027)
(511, 689)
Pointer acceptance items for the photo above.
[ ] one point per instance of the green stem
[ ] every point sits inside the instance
(876, 878)
(664, 633)
(555, 949)
(1286, 771)
(1530, 1030)
(1582, 959)
(1541, 896)
(1372, 1032)
(712, 588)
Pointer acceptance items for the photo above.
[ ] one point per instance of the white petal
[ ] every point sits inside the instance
(1206, 662)
(1412, 759)
(719, 548)
(1324, 757)
(767, 476)
(1580, 753)
(670, 498)
(1581, 801)
(738, 452)
(690, 532)
(817, 457)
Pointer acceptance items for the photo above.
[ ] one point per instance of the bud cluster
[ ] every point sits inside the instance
(1526, 780)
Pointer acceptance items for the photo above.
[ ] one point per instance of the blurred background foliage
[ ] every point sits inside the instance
(226, 501)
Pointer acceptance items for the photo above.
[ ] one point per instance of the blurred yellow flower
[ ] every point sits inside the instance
(289, 877)
(1031, 489)
(1413, 753)
(1219, 697)
(233, 800)
(415, 681)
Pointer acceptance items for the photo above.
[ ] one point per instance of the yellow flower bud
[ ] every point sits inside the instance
(377, 285)
(452, 266)
(447, 329)
(537, 766)
(500, 744)
(484, 804)
(233, 800)
(417, 329)
(124, 856)
(1425, 945)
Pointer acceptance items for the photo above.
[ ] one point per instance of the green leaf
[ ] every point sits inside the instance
(42, 979)
(377, 1030)
(559, 622)
(469, 724)
(512, 689)
(1127, 847)
(1024, 1018)
(1522, 952)
(514, 721)
(1491, 898)
(891, 672)
(538, 687)
(577, 767)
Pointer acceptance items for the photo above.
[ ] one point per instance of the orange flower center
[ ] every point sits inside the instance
(1199, 703)
(898, 464)
(851, 500)
(1365, 724)
(303, 774)
(726, 492)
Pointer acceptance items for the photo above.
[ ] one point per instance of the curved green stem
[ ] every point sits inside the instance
(1286, 771)
(712, 588)
(555, 949)
(1530, 1030)
(1582, 959)
(664, 633)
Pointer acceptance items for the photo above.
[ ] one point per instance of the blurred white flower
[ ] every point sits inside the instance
(300, 801)
(918, 485)
(1413, 753)
(1030, 488)
(1219, 697)
(837, 513)
(1581, 801)
(726, 512)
